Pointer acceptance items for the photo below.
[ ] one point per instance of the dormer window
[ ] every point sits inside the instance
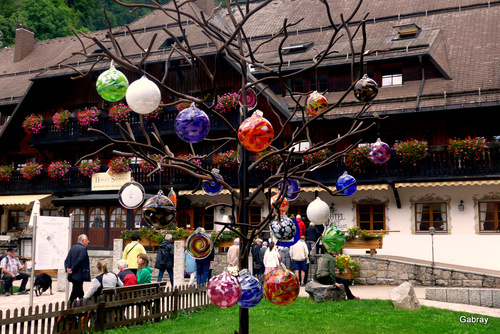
(97, 53)
(296, 48)
(406, 31)
(167, 44)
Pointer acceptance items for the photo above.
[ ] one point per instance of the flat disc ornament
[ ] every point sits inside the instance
(333, 239)
(252, 290)
(213, 188)
(284, 228)
(159, 211)
(380, 152)
(256, 133)
(131, 195)
(346, 180)
(199, 244)
(112, 84)
(365, 89)
(281, 287)
(224, 290)
(143, 96)
(192, 124)
(316, 103)
(251, 99)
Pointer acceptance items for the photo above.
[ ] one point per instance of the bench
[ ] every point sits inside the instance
(2, 287)
(321, 292)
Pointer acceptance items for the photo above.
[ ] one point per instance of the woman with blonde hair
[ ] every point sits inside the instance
(104, 280)
(144, 270)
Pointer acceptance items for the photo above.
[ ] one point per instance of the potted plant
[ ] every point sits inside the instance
(314, 158)
(31, 170)
(119, 165)
(89, 167)
(361, 239)
(346, 267)
(227, 102)
(411, 151)
(88, 116)
(33, 123)
(147, 167)
(5, 173)
(120, 112)
(468, 148)
(59, 169)
(61, 119)
(358, 161)
(270, 163)
(227, 159)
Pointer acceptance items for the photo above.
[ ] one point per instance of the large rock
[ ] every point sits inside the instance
(321, 293)
(404, 297)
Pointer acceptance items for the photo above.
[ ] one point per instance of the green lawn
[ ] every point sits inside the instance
(305, 316)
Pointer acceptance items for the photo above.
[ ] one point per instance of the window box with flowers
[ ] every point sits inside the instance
(89, 167)
(88, 116)
(119, 165)
(469, 149)
(120, 112)
(411, 151)
(155, 115)
(31, 170)
(183, 105)
(147, 167)
(5, 173)
(314, 158)
(59, 169)
(33, 124)
(270, 163)
(346, 267)
(227, 102)
(361, 239)
(61, 119)
(192, 158)
(151, 237)
(358, 161)
(226, 160)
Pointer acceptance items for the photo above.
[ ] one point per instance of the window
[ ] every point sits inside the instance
(118, 218)
(255, 215)
(139, 219)
(97, 218)
(16, 220)
(184, 220)
(77, 218)
(167, 44)
(296, 48)
(295, 85)
(392, 80)
(488, 216)
(431, 214)
(371, 216)
(319, 83)
(51, 213)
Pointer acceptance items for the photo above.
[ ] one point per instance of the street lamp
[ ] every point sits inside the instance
(432, 230)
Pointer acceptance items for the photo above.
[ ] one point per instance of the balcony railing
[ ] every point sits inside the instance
(438, 166)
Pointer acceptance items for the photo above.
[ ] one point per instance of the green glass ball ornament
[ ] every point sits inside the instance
(333, 239)
(112, 84)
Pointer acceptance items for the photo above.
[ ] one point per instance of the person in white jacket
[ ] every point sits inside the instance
(299, 253)
(271, 258)
(105, 279)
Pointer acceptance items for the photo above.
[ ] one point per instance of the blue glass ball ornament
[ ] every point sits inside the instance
(213, 188)
(333, 239)
(252, 290)
(291, 242)
(380, 152)
(192, 124)
(292, 190)
(345, 180)
(283, 229)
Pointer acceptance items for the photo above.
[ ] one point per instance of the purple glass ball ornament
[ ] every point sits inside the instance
(365, 89)
(252, 290)
(213, 188)
(192, 124)
(380, 152)
(224, 290)
(292, 190)
(346, 180)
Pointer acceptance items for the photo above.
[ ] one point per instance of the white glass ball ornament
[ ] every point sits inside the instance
(143, 96)
(318, 212)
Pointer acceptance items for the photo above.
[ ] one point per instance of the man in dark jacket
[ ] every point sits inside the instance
(256, 256)
(77, 266)
(203, 267)
(165, 259)
(312, 235)
(262, 251)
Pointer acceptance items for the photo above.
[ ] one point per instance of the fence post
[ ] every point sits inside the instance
(176, 301)
(101, 314)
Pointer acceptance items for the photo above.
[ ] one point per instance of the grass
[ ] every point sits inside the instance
(305, 316)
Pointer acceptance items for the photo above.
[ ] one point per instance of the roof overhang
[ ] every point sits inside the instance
(21, 199)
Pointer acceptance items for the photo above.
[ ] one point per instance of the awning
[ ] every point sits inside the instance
(448, 183)
(21, 199)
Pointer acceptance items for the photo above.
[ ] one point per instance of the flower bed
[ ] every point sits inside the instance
(59, 169)
(344, 262)
(411, 151)
(5, 173)
(146, 167)
(468, 148)
(33, 123)
(88, 116)
(156, 114)
(61, 119)
(31, 170)
(119, 165)
(270, 163)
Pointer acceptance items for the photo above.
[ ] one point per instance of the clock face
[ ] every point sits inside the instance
(131, 195)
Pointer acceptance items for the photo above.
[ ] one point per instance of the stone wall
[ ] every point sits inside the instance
(393, 272)
(478, 297)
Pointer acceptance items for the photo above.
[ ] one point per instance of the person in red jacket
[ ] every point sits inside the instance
(302, 226)
(126, 275)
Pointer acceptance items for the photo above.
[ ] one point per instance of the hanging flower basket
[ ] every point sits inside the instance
(59, 169)
(89, 167)
(88, 116)
(61, 119)
(468, 148)
(316, 157)
(120, 112)
(33, 123)
(146, 167)
(119, 165)
(31, 170)
(411, 151)
(227, 102)
(227, 159)
(358, 161)
(5, 173)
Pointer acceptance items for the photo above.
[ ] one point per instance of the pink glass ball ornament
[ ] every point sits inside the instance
(251, 290)
(318, 212)
(365, 89)
(284, 203)
(380, 152)
(346, 180)
(143, 96)
(224, 290)
(284, 228)
(159, 211)
(192, 124)
(281, 287)
(256, 133)
(316, 103)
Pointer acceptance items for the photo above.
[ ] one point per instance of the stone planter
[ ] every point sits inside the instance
(364, 244)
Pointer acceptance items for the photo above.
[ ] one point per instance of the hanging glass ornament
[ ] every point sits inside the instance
(251, 99)
(159, 210)
(199, 244)
(333, 239)
(291, 242)
(224, 290)
(213, 188)
(251, 289)
(256, 133)
(172, 196)
(365, 89)
(380, 152)
(292, 189)
(316, 103)
(143, 96)
(281, 287)
(192, 124)
(284, 203)
(112, 84)
(346, 180)
(318, 212)
(283, 229)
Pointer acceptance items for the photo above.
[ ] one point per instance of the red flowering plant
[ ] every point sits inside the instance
(33, 123)
(156, 114)
(61, 119)
(88, 116)
(119, 165)
(227, 102)
(89, 167)
(31, 170)
(120, 112)
(468, 148)
(270, 163)
(147, 167)
(357, 159)
(314, 158)
(227, 159)
(410, 151)
(5, 173)
(59, 169)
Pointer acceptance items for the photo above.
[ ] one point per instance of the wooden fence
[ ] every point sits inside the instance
(114, 308)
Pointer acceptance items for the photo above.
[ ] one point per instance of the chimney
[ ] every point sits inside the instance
(25, 41)
(207, 6)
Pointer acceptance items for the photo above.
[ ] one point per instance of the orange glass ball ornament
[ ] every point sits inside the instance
(256, 133)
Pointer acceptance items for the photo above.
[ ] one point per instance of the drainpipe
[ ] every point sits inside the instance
(421, 84)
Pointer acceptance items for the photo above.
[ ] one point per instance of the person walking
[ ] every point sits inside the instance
(325, 274)
(256, 256)
(299, 253)
(131, 251)
(271, 258)
(286, 259)
(125, 274)
(262, 252)
(165, 259)
(144, 274)
(302, 226)
(203, 268)
(312, 234)
(190, 266)
(77, 266)
(233, 254)
(10, 271)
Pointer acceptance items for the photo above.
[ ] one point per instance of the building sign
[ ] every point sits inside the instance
(338, 220)
(105, 181)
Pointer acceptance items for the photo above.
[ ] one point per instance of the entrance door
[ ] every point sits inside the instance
(185, 219)
(97, 227)
(117, 223)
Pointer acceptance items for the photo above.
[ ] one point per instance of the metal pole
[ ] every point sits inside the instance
(33, 259)
(66, 289)
(432, 237)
